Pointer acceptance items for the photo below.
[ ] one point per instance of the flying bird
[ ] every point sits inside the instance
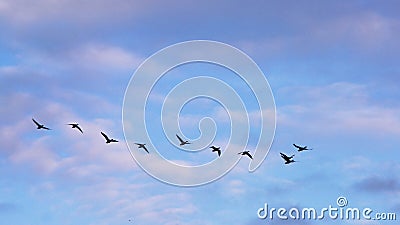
(108, 140)
(300, 148)
(142, 146)
(288, 159)
(216, 149)
(40, 126)
(75, 125)
(246, 153)
(182, 141)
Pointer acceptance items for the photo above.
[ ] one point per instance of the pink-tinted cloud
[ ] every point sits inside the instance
(338, 107)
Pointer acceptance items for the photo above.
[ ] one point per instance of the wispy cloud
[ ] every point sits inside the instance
(75, 11)
(343, 107)
(367, 32)
(333, 66)
(39, 158)
(94, 56)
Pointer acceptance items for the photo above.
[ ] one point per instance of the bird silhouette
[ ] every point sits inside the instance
(216, 149)
(40, 126)
(75, 125)
(288, 159)
(300, 148)
(182, 141)
(108, 140)
(247, 153)
(142, 146)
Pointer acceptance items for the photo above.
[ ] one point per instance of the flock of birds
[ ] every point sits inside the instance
(289, 159)
(286, 158)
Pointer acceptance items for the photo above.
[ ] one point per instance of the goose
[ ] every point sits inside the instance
(40, 126)
(216, 149)
(108, 140)
(142, 146)
(75, 125)
(182, 141)
(247, 153)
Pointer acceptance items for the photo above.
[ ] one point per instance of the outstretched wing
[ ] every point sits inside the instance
(140, 145)
(77, 127)
(285, 157)
(105, 136)
(248, 154)
(297, 146)
(37, 124)
(179, 138)
(214, 148)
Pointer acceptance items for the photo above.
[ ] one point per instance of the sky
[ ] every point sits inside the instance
(332, 68)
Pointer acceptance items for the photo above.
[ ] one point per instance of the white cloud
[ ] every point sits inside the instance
(366, 31)
(338, 107)
(22, 12)
(9, 70)
(104, 56)
(235, 188)
(100, 177)
(37, 156)
(357, 163)
(62, 149)
(81, 61)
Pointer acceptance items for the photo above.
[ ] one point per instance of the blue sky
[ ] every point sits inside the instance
(332, 66)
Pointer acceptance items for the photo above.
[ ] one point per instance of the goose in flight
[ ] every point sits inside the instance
(216, 149)
(142, 146)
(288, 159)
(301, 148)
(247, 153)
(40, 126)
(182, 141)
(108, 140)
(75, 125)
